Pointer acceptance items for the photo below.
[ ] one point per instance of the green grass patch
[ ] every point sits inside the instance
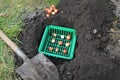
(12, 12)
(6, 63)
(50, 2)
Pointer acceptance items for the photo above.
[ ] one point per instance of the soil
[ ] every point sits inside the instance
(92, 19)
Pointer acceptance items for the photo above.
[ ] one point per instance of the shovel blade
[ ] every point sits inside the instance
(38, 68)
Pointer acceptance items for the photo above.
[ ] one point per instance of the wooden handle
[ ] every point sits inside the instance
(11, 44)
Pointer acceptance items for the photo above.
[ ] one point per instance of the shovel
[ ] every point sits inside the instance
(37, 68)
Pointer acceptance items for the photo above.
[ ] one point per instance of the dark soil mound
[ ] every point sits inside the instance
(91, 19)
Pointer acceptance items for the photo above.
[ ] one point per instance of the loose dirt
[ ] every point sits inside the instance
(92, 19)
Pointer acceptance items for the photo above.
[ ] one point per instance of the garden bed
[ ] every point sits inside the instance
(91, 19)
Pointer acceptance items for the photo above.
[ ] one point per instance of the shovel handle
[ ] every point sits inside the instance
(13, 46)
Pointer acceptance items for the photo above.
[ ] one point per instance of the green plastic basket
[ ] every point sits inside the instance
(48, 45)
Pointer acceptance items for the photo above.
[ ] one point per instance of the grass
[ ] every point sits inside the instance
(6, 63)
(12, 12)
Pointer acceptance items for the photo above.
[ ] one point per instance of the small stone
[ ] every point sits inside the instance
(62, 12)
(69, 76)
(95, 31)
(99, 35)
(68, 73)
(112, 30)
